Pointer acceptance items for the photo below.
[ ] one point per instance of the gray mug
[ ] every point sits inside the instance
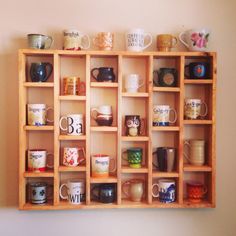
(39, 41)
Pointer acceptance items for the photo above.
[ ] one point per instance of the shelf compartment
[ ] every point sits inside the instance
(166, 89)
(165, 128)
(134, 95)
(38, 174)
(104, 84)
(39, 84)
(71, 168)
(198, 81)
(198, 122)
(127, 169)
(203, 168)
(158, 174)
(39, 128)
(72, 98)
(103, 129)
(135, 138)
(110, 179)
(72, 137)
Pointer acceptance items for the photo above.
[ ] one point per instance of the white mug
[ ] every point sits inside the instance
(161, 115)
(135, 40)
(195, 39)
(75, 191)
(74, 124)
(37, 160)
(71, 156)
(37, 113)
(74, 40)
(132, 83)
(193, 107)
(101, 164)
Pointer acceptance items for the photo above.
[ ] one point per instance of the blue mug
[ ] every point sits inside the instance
(197, 70)
(40, 71)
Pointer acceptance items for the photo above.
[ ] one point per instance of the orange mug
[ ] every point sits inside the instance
(196, 191)
(73, 86)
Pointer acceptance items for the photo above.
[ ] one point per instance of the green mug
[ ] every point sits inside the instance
(134, 157)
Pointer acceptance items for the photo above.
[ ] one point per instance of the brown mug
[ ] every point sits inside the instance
(134, 125)
(165, 42)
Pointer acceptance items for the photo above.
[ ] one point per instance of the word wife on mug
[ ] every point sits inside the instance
(74, 124)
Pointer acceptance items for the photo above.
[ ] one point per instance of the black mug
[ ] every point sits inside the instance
(105, 74)
(165, 77)
(197, 70)
(104, 193)
(40, 72)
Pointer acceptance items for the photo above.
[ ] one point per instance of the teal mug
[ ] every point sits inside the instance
(134, 157)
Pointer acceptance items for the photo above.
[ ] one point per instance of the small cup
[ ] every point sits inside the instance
(73, 86)
(165, 77)
(103, 74)
(39, 192)
(72, 157)
(134, 157)
(104, 41)
(39, 41)
(161, 115)
(193, 107)
(197, 70)
(40, 71)
(195, 191)
(37, 114)
(134, 189)
(132, 83)
(165, 42)
(104, 193)
(102, 115)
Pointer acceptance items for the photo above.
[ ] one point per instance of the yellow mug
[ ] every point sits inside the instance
(165, 42)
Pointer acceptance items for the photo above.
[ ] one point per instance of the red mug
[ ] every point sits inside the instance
(196, 191)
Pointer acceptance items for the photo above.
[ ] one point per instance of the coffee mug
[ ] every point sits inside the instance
(75, 191)
(197, 70)
(105, 193)
(102, 115)
(165, 77)
(134, 125)
(165, 42)
(134, 157)
(196, 151)
(195, 191)
(100, 164)
(37, 114)
(133, 189)
(37, 160)
(135, 40)
(74, 124)
(39, 41)
(192, 109)
(104, 40)
(195, 39)
(72, 157)
(132, 83)
(165, 190)
(104, 74)
(40, 71)
(161, 115)
(73, 86)
(75, 40)
(39, 193)
(165, 159)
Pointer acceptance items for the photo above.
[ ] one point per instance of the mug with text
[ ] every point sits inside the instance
(193, 109)
(161, 115)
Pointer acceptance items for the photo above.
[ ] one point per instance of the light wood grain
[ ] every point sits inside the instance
(39, 85)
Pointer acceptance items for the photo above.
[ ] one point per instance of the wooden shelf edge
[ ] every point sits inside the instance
(189, 168)
(165, 128)
(38, 174)
(71, 169)
(94, 180)
(72, 98)
(127, 169)
(103, 129)
(39, 128)
(198, 122)
(72, 137)
(156, 174)
(198, 81)
(166, 89)
(39, 84)
(135, 138)
(135, 95)
(104, 84)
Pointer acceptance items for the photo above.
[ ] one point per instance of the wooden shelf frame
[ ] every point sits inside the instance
(147, 96)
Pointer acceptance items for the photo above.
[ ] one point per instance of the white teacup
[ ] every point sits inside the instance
(132, 83)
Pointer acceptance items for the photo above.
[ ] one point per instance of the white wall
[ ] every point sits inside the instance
(17, 18)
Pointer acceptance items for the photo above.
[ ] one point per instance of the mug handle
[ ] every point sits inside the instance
(124, 188)
(206, 110)
(96, 197)
(49, 71)
(181, 38)
(81, 160)
(175, 114)
(157, 194)
(82, 88)
(60, 192)
(49, 42)
(85, 36)
(60, 123)
(174, 41)
(48, 155)
(114, 167)
(93, 111)
(150, 37)
(49, 108)
(92, 73)
(185, 71)
(140, 83)
(154, 163)
(186, 144)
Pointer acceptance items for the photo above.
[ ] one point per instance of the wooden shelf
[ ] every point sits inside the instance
(198, 122)
(104, 85)
(72, 137)
(158, 174)
(39, 128)
(46, 206)
(198, 81)
(158, 204)
(72, 98)
(38, 174)
(110, 179)
(166, 89)
(103, 129)
(71, 168)
(127, 169)
(203, 168)
(202, 204)
(135, 95)
(135, 138)
(165, 128)
(39, 84)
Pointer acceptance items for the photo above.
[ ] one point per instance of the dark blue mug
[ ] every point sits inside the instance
(40, 71)
(197, 70)
(104, 193)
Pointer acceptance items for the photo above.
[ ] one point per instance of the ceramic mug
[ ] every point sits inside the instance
(161, 115)
(133, 189)
(165, 159)
(134, 125)
(134, 157)
(39, 41)
(104, 40)
(102, 115)
(104, 74)
(193, 107)
(197, 70)
(100, 164)
(75, 40)
(196, 151)
(37, 160)
(37, 114)
(195, 39)
(72, 157)
(165, 42)
(166, 190)
(195, 191)
(74, 124)
(39, 192)
(73, 86)
(165, 77)
(105, 193)
(135, 40)
(132, 83)
(75, 191)
(40, 71)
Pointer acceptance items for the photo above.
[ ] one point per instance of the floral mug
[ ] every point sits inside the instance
(195, 39)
